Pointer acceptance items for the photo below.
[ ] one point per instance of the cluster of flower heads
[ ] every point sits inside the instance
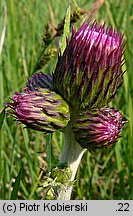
(87, 76)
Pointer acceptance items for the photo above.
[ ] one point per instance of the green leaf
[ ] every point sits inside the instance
(66, 29)
(2, 115)
(73, 4)
(17, 184)
(51, 160)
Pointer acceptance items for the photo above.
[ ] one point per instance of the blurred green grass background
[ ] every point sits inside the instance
(106, 174)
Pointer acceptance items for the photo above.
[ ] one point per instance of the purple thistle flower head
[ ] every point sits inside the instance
(89, 73)
(98, 128)
(42, 110)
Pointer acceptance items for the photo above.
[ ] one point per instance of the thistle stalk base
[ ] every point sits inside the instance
(71, 154)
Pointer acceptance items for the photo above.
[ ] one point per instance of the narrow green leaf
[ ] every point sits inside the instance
(66, 29)
(17, 184)
(51, 160)
(2, 115)
(74, 3)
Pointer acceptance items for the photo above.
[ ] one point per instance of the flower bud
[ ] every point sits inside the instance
(89, 73)
(42, 110)
(98, 128)
(39, 80)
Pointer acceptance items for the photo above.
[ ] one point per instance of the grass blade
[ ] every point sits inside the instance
(17, 184)
(2, 116)
(66, 29)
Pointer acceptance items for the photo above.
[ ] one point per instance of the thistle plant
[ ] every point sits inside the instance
(74, 99)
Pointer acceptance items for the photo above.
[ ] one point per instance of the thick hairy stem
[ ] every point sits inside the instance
(72, 154)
